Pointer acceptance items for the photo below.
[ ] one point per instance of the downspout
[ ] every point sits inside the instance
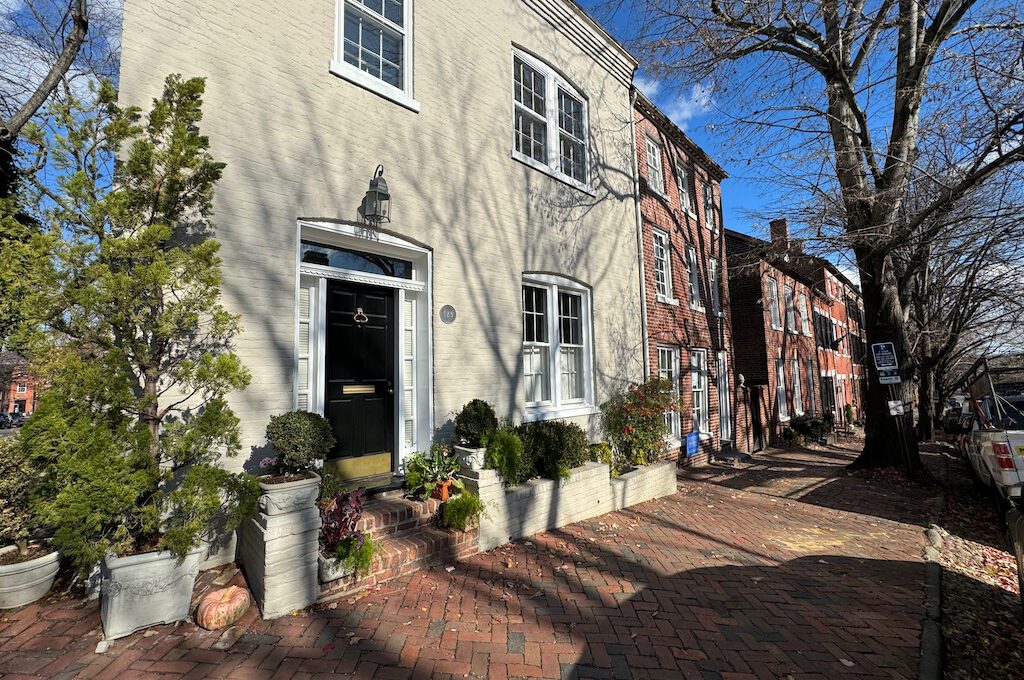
(639, 233)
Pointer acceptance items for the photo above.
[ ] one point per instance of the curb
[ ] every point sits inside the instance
(932, 643)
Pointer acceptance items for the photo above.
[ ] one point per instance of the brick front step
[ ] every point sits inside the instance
(405, 552)
(387, 515)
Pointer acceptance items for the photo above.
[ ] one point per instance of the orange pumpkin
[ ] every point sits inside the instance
(221, 608)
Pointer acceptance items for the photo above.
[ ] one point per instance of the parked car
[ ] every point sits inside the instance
(5, 421)
(1015, 536)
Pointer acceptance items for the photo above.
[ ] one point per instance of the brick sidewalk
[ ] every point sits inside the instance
(714, 583)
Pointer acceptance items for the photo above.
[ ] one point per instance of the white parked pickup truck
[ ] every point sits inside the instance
(991, 437)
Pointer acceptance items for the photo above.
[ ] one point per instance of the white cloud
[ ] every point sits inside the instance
(649, 86)
(686, 107)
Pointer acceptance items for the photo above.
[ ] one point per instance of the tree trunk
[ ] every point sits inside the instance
(926, 405)
(8, 169)
(889, 441)
(151, 417)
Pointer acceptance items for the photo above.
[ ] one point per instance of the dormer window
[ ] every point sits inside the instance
(549, 121)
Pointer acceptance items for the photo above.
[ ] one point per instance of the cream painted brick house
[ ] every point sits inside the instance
(505, 132)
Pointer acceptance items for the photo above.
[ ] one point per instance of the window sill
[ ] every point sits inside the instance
(660, 194)
(668, 301)
(718, 314)
(548, 412)
(368, 82)
(554, 174)
(776, 328)
(698, 308)
(783, 419)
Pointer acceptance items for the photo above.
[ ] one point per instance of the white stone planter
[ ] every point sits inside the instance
(472, 459)
(280, 499)
(26, 582)
(145, 590)
(332, 569)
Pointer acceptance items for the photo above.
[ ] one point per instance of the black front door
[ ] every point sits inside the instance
(828, 395)
(360, 368)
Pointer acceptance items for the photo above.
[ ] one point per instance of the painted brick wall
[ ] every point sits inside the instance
(674, 322)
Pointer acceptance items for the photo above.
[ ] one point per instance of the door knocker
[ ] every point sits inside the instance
(359, 316)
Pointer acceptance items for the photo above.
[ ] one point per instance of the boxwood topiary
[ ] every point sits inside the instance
(554, 447)
(475, 423)
(300, 438)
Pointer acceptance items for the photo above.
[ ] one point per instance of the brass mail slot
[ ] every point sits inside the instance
(358, 389)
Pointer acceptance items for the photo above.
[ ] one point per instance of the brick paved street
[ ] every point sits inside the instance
(761, 571)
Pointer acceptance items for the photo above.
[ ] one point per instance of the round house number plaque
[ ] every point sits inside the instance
(448, 314)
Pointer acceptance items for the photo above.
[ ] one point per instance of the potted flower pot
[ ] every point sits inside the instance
(284, 497)
(22, 583)
(144, 590)
(472, 459)
(332, 569)
(442, 490)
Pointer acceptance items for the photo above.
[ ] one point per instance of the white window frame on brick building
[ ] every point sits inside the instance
(781, 394)
(354, 58)
(655, 167)
(662, 246)
(22, 389)
(805, 314)
(668, 368)
(810, 383)
(557, 349)
(710, 215)
(551, 105)
(789, 294)
(693, 276)
(773, 303)
(798, 396)
(715, 282)
(683, 181)
(700, 418)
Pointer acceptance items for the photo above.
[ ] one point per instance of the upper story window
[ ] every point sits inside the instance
(710, 216)
(662, 266)
(374, 47)
(557, 347)
(694, 276)
(655, 175)
(715, 281)
(550, 121)
(790, 310)
(805, 314)
(683, 182)
(773, 303)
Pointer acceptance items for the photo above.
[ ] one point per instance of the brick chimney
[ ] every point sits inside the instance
(780, 234)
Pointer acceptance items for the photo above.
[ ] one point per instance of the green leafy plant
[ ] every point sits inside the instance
(330, 484)
(462, 512)
(602, 452)
(423, 473)
(16, 483)
(554, 447)
(505, 453)
(811, 427)
(355, 553)
(475, 423)
(339, 532)
(301, 439)
(848, 412)
(634, 421)
(125, 323)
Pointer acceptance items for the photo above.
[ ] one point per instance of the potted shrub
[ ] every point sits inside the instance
(27, 568)
(505, 453)
(344, 550)
(553, 447)
(634, 422)
(474, 424)
(462, 512)
(302, 441)
(433, 476)
(137, 350)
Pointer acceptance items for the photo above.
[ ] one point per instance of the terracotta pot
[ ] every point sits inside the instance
(441, 491)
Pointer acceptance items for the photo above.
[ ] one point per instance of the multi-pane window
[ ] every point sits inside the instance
(531, 111)
(662, 265)
(655, 174)
(683, 184)
(710, 215)
(714, 279)
(694, 277)
(570, 345)
(773, 302)
(668, 369)
(810, 383)
(805, 314)
(535, 345)
(790, 310)
(556, 344)
(572, 144)
(798, 397)
(374, 39)
(780, 389)
(699, 390)
(550, 120)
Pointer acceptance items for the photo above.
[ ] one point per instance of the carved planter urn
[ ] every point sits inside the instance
(471, 458)
(285, 497)
(144, 590)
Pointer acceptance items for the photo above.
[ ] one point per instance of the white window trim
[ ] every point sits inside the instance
(402, 96)
(703, 428)
(790, 302)
(554, 81)
(805, 315)
(774, 310)
(781, 391)
(709, 206)
(669, 299)
(798, 390)
(675, 435)
(660, 155)
(22, 389)
(693, 279)
(715, 284)
(554, 407)
(684, 189)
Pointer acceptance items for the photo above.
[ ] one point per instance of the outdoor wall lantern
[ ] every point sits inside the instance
(377, 202)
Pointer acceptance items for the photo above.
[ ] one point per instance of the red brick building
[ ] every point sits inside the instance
(18, 388)
(774, 340)
(686, 291)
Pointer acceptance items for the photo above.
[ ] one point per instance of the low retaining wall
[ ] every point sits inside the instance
(542, 504)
